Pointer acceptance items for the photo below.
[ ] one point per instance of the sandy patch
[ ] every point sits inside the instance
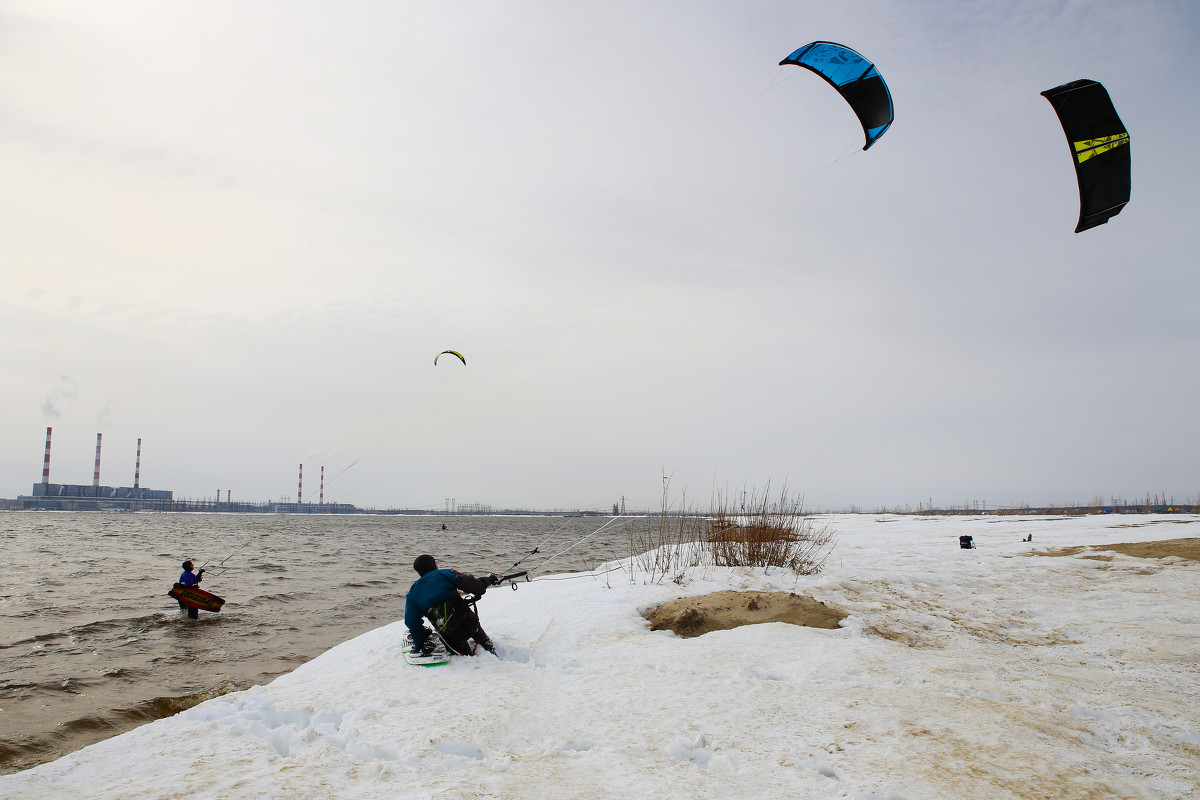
(720, 611)
(1179, 548)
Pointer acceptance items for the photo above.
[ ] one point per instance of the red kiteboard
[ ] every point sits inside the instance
(196, 598)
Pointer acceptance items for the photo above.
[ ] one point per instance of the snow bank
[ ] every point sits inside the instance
(962, 674)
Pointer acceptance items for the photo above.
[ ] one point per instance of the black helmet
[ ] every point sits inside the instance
(424, 563)
(187, 565)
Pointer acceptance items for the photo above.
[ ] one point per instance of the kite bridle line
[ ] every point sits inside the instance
(221, 564)
(536, 549)
(581, 541)
(593, 533)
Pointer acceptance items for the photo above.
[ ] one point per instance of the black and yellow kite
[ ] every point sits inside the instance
(451, 352)
(1099, 146)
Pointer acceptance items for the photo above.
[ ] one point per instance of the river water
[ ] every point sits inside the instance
(92, 646)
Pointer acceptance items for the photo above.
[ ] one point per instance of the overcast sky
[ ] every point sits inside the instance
(241, 231)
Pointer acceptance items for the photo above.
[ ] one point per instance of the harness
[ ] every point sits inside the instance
(450, 616)
(456, 620)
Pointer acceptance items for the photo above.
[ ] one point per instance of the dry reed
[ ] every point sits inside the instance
(764, 532)
(757, 531)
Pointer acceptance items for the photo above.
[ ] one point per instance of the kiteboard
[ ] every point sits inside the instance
(437, 658)
(195, 597)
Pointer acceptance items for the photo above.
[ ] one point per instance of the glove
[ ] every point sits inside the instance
(494, 579)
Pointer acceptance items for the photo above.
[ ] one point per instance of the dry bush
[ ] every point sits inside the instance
(763, 532)
(757, 531)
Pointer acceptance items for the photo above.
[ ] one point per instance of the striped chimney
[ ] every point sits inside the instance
(96, 474)
(300, 487)
(137, 466)
(46, 460)
(321, 501)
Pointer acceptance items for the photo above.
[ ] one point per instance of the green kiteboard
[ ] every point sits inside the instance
(439, 656)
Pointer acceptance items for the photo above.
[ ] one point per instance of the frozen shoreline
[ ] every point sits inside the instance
(959, 673)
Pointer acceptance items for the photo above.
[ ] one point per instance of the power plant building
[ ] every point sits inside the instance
(47, 496)
(82, 497)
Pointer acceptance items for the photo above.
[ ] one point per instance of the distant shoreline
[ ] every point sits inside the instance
(24, 503)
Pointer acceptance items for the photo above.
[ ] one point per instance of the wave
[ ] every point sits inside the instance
(64, 686)
(36, 613)
(75, 684)
(279, 597)
(365, 584)
(122, 627)
(25, 752)
(147, 710)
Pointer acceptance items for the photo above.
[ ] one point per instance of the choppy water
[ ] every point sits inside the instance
(91, 645)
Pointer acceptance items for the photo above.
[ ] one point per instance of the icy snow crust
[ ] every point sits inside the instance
(985, 673)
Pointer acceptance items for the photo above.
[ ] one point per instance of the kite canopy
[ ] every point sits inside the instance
(1099, 145)
(451, 352)
(855, 78)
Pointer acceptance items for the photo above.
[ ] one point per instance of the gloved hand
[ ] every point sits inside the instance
(494, 579)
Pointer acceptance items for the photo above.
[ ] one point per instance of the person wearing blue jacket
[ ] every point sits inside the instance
(436, 595)
(188, 578)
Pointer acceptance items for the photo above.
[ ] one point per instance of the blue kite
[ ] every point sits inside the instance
(855, 78)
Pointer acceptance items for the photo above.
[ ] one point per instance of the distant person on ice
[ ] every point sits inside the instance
(436, 595)
(188, 578)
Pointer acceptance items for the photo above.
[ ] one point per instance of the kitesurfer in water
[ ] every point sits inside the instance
(189, 578)
(436, 595)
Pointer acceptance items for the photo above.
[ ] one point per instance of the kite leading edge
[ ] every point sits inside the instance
(451, 352)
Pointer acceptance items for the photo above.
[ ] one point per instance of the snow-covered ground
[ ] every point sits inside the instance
(958, 674)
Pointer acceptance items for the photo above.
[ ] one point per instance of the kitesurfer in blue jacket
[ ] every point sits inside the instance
(188, 578)
(436, 595)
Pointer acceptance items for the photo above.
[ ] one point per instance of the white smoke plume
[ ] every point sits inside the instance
(65, 392)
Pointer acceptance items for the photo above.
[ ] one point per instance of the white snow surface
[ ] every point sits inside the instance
(958, 674)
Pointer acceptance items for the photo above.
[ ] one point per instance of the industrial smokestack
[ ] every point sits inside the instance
(321, 499)
(137, 466)
(46, 460)
(300, 487)
(96, 474)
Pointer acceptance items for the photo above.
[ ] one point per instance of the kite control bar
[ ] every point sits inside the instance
(497, 580)
(512, 578)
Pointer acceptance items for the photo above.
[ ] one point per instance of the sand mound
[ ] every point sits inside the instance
(1179, 548)
(720, 611)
